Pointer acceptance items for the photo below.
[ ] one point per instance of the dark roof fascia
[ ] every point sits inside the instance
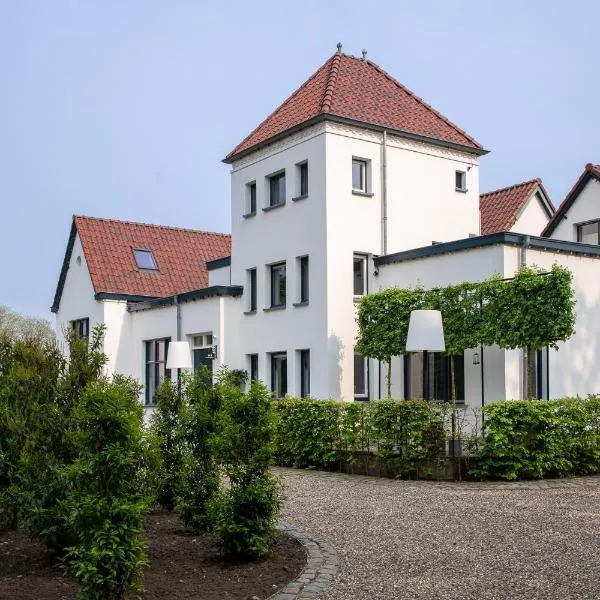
(208, 292)
(346, 121)
(127, 297)
(218, 263)
(504, 238)
(568, 201)
(65, 267)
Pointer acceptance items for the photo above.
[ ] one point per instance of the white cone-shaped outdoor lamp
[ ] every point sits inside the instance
(179, 356)
(425, 332)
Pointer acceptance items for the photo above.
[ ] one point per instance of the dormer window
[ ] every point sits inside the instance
(145, 259)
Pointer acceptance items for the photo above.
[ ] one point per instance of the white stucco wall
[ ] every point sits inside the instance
(585, 208)
(220, 276)
(533, 217)
(77, 300)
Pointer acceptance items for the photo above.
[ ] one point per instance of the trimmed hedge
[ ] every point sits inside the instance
(407, 436)
(539, 438)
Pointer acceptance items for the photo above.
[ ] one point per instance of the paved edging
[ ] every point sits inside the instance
(322, 564)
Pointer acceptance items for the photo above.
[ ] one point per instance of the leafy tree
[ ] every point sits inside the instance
(17, 326)
(383, 320)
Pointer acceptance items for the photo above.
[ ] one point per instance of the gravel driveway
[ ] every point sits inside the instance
(406, 539)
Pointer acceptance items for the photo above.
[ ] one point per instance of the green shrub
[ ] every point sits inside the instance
(538, 438)
(110, 491)
(167, 427)
(200, 474)
(244, 515)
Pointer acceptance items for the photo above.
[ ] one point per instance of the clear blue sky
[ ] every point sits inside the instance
(125, 108)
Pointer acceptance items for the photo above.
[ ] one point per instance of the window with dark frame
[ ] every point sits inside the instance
(278, 285)
(279, 374)
(588, 233)
(277, 189)
(144, 259)
(303, 174)
(81, 327)
(252, 198)
(304, 373)
(359, 275)
(361, 378)
(253, 289)
(461, 181)
(303, 278)
(156, 366)
(253, 359)
(359, 175)
(427, 377)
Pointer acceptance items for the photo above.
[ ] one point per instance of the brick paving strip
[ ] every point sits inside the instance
(321, 566)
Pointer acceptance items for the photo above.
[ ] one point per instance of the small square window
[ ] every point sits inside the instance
(461, 181)
(588, 233)
(81, 327)
(359, 175)
(144, 259)
(277, 189)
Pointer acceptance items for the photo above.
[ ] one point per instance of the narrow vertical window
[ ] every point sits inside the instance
(252, 290)
(253, 360)
(278, 285)
(461, 181)
(156, 366)
(359, 175)
(303, 176)
(303, 260)
(204, 354)
(304, 373)
(360, 275)
(277, 189)
(251, 198)
(279, 374)
(361, 379)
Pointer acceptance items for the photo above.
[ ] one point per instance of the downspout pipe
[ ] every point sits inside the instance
(178, 308)
(384, 244)
(523, 263)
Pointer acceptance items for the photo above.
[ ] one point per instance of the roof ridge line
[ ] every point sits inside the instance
(514, 185)
(422, 102)
(171, 227)
(331, 81)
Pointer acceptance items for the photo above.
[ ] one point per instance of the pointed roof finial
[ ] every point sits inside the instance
(364, 53)
(339, 47)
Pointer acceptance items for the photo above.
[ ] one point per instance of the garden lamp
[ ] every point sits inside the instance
(425, 332)
(179, 356)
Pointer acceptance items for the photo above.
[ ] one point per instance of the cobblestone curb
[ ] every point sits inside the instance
(322, 564)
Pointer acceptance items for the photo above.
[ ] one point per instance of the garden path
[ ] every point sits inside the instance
(430, 540)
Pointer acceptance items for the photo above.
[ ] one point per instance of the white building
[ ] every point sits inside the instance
(352, 185)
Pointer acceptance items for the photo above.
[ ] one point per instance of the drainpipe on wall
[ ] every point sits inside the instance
(178, 306)
(384, 194)
(523, 263)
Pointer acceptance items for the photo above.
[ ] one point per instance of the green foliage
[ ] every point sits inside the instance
(319, 434)
(200, 425)
(109, 497)
(167, 427)
(16, 326)
(244, 515)
(538, 438)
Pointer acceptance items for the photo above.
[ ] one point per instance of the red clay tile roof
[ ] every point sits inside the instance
(590, 172)
(500, 209)
(180, 254)
(360, 90)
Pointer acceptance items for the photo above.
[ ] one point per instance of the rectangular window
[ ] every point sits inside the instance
(303, 179)
(81, 327)
(361, 377)
(203, 353)
(253, 366)
(145, 259)
(303, 263)
(588, 233)
(359, 175)
(304, 356)
(360, 275)
(427, 377)
(279, 374)
(277, 189)
(278, 285)
(251, 198)
(156, 366)
(461, 181)
(252, 287)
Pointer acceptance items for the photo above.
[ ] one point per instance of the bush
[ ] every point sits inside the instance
(167, 427)
(538, 438)
(244, 515)
(110, 494)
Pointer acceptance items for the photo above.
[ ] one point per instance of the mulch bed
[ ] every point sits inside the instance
(182, 565)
